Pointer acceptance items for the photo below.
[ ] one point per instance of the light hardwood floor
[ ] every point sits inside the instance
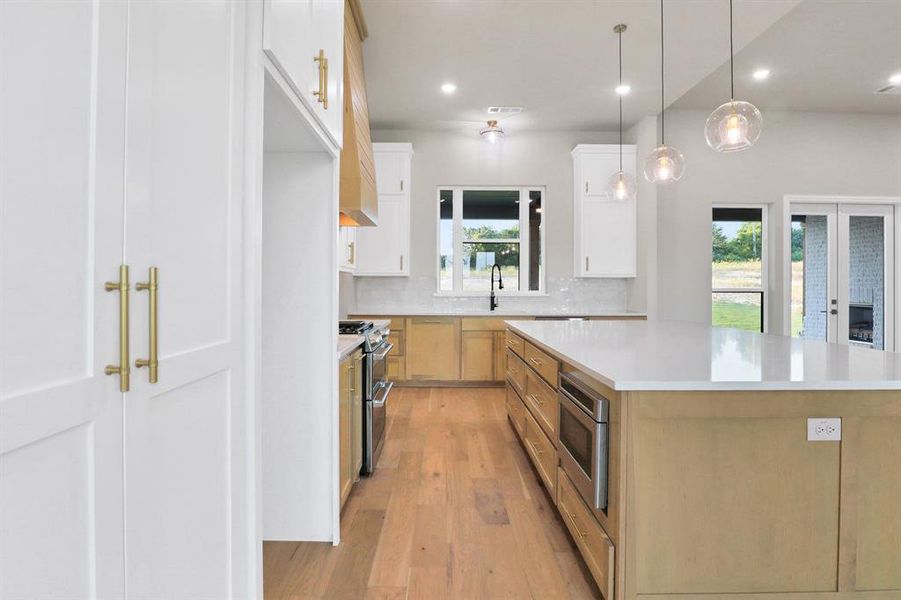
(455, 510)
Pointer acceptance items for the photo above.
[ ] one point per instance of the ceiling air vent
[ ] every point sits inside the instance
(504, 110)
(892, 88)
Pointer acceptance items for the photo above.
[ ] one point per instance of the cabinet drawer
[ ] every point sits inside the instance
(516, 372)
(483, 324)
(516, 409)
(541, 399)
(593, 543)
(546, 366)
(543, 453)
(515, 343)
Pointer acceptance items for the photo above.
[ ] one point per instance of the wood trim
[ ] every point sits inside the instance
(359, 19)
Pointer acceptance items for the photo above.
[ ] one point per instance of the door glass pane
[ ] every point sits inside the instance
(810, 277)
(535, 220)
(478, 257)
(737, 248)
(866, 281)
(738, 310)
(446, 240)
(491, 214)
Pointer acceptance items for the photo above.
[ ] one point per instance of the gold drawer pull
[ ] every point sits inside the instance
(535, 361)
(322, 93)
(123, 369)
(151, 286)
(536, 399)
(572, 517)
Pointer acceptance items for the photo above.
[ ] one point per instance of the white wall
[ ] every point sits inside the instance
(798, 153)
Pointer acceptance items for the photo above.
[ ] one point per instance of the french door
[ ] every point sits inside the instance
(842, 273)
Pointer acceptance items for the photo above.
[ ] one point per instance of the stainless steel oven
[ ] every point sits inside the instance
(582, 436)
(377, 366)
(377, 388)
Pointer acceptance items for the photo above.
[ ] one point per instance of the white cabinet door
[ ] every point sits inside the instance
(62, 90)
(186, 484)
(328, 18)
(294, 32)
(390, 170)
(596, 172)
(608, 246)
(605, 232)
(384, 250)
(347, 248)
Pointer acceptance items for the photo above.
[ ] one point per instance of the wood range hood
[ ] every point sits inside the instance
(358, 197)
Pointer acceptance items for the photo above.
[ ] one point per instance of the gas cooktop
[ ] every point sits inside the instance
(357, 327)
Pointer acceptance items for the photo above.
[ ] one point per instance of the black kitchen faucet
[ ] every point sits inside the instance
(500, 285)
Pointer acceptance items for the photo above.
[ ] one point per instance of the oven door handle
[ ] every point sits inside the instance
(382, 395)
(381, 354)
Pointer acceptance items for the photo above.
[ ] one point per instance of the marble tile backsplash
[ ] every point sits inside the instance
(416, 294)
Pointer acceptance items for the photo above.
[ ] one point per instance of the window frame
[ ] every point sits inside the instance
(524, 241)
(763, 290)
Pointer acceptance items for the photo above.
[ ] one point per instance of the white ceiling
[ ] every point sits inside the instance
(825, 55)
(555, 57)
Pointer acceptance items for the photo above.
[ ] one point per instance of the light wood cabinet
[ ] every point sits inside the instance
(543, 363)
(384, 251)
(595, 545)
(543, 453)
(605, 230)
(500, 356)
(541, 400)
(516, 410)
(345, 426)
(433, 348)
(478, 356)
(516, 372)
(515, 344)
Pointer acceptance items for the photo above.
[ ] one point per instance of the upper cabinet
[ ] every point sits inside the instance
(605, 231)
(358, 198)
(305, 40)
(385, 250)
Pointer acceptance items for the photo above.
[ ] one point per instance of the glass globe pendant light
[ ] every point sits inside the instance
(735, 125)
(664, 164)
(621, 186)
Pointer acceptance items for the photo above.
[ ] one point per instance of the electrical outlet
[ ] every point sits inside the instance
(824, 430)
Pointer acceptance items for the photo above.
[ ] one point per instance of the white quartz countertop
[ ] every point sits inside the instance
(347, 343)
(672, 355)
(499, 313)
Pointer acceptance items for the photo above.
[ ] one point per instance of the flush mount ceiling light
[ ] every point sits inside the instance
(621, 186)
(761, 74)
(623, 88)
(895, 79)
(448, 88)
(493, 132)
(665, 164)
(735, 125)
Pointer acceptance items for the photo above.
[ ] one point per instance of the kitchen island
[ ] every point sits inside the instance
(713, 489)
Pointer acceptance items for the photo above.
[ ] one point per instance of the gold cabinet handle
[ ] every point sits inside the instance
(123, 369)
(535, 361)
(151, 286)
(579, 532)
(353, 251)
(322, 93)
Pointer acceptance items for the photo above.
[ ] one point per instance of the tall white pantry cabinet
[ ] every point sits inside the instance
(130, 141)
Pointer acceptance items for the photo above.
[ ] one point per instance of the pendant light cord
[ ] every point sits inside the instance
(662, 89)
(731, 57)
(620, 34)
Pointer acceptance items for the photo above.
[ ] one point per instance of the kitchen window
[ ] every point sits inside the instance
(739, 267)
(482, 226)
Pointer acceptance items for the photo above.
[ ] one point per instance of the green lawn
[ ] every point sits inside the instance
(736, 315)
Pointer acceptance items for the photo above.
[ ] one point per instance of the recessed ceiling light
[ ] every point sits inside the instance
(623, 89)
(448, 88)
(895, 79)
(761, 74)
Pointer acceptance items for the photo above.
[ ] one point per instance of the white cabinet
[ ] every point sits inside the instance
(605, 234)
(385, 250)
(96, 468)
(294, 34)
(347, 248)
